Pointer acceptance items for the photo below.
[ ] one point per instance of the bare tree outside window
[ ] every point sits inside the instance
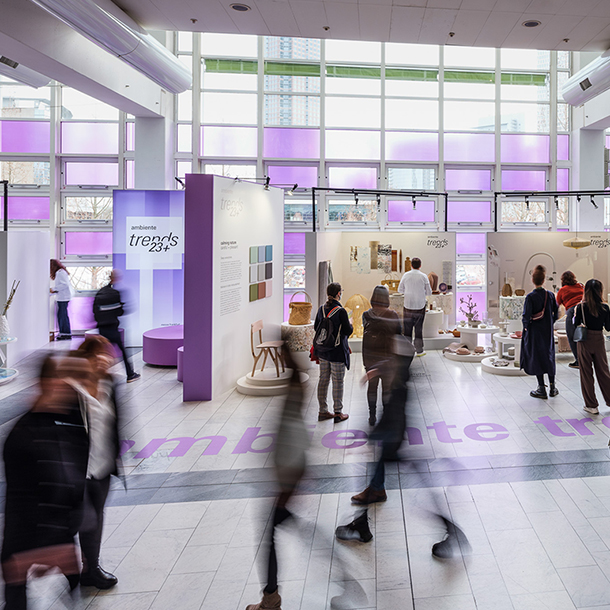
(25, 172)
(519, 211)
(89, 278)
(88, 208)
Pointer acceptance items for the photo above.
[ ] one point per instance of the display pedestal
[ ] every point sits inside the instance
(469, 337)
(6, 374)
(512, 370)
(267, 383)
(432, 322)
(299, 339)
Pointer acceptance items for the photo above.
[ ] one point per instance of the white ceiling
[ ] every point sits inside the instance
(486, 23)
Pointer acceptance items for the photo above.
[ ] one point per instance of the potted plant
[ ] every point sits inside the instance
(470, 311)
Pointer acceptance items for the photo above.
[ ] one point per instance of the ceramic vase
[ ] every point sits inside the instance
(5, 331)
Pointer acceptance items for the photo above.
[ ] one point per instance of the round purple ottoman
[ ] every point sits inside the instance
(160, 345)
(117, 351)
(180, 355)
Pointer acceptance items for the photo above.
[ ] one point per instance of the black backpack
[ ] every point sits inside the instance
(325, 340)
(107, 306)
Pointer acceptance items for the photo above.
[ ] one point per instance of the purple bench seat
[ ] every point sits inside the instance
(160, 345)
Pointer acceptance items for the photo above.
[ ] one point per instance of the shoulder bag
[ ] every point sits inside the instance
(540, 314)
(580, 332)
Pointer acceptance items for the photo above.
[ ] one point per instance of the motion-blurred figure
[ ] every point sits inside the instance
(107, 309)
(45, 461)
(290, 460)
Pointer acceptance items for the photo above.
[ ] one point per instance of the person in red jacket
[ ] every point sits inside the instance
(570, 294)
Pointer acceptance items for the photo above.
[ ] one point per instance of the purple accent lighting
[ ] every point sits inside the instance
(228, 141)
(517, 148)
(80, 242)
(470, 243)
(305, 177)
(353, 145)
(563, 147)
(468, 211)
(130, 173)
(27, 208)
(468, 179)
(479, 299)
(404, 146)
(563, 179)
(282, 142)
(90, 138)
(25, 137)
(92, 173)
(473, 147)
(402, 211)
(523, 180)
(294, 243)
(352, 177)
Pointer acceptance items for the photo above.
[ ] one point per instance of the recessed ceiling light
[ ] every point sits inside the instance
(240, 8)
(531, 24)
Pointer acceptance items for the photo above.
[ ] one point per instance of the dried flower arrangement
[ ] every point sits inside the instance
(10, 297)
(470, 312)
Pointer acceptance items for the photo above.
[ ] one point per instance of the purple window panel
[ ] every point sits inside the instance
(77, 242)
(563, 147)
(130, 137)
(468, 211)
(403, 146)
(353, 145)
(92, 173)
(517, 148)
(228, 141)
(80, 311)
(607, 141)
(27, 208)
(90, 138)
(563, 179)
(289, 175)
(281, 142)
(470, 243)
(522, 180)
(130, 174)
(479, 298)
(402, 211)
(468, 179)
(25, 137)
(474, 147)
(294, 243)
(352, 177)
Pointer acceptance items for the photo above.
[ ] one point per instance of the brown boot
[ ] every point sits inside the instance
(270, 601)
(370, 496)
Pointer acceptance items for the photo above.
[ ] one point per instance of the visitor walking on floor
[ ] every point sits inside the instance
(63, 292)
(381, 325)
(592, 351)
(538, 342)
(415, 286)
(107, 309)
(334, 357)
(569, 295)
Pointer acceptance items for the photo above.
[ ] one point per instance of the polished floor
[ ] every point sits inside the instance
(528, 480)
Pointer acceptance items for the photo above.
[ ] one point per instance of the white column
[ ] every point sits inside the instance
(588, 167)
(154, 167)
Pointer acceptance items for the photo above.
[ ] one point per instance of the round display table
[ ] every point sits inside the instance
(6, 374)
(160, 345)
(299, 339)
(469, 337)
(503, 343)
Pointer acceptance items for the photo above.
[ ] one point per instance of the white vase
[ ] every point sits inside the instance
(5, 331)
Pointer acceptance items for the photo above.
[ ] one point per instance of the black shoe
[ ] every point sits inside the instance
(133, 377)
(539, 392)
(574, 365)
(356, 531)
(98, 578)
(63, 338)
(372, 420)
(454, 543)
(553, 391)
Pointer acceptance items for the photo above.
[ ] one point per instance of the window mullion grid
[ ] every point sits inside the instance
(55, 167)
(496, 179)
(441, 119)
(197, 66)
(322, 211)
(260, 105)
(552, 177)
(382, 216)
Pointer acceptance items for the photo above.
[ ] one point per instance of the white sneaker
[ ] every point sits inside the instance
(593, 410)
(420, 354)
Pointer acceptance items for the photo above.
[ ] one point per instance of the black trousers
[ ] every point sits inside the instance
(114, 336)
(570, 331)
(90, 534)
(63, 321)
(414, 321)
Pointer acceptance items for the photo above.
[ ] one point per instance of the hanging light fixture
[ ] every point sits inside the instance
(556, 202)
(578, 242)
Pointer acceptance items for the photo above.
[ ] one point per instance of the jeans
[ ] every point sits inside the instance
(414, 321)
(63, 321)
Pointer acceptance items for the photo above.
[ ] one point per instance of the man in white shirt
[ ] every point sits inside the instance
(415, 286)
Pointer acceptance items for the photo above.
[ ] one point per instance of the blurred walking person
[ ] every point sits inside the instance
(569, 295)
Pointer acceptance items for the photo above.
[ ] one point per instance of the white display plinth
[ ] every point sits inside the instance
(508, 371)
(468, 357)
(470, 336)
(6, 374)
(502, 341)
(432, 322)
(299, 339)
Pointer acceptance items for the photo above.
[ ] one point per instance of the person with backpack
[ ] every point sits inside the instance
(107, 308)
(381, 324)
(332, 329)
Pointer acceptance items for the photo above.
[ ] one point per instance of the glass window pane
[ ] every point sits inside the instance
(356, 112)
(103, 174)
(411, 54)
(412, 178)
(25, 137)
(287, 175)
(25, 172)
(89, 278)
(18, 101)
(470, 243)
(185, 42)
(228, 141)
(470, 57)
(525, 59)
(479, 116)
(294, 276)
(284, 47)
(468, 179)
(291, 143)
(229, 82)
(87, 243)
(409, 88)
(296, 84)
(353, 145)
(414, 146)
(130, 136)
(246, 172)
(562, 210)
(526, 93)
(77, 105)
(563, 117)
(352, 177)
(294, 243)
(346, 210)
(423, 210)
(27, 208)
(563, 60)
(130, 173)
(354, 86)
(518, 211)
(185, 106)
(297, 210)
(523, 180)
(353, 51)
(411, 114)
(229, 108)
(477, 296)
(297, 110)
(90, 138)
(88, 208)
(525, 148)
(468, 211)
(229, 45)
(184, 137)
(470, 275)
(183, 168)
(470, 147)
(525, 117)
(563, 179)
(484, 91)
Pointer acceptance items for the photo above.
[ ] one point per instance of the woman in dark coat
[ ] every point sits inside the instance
(538, 343)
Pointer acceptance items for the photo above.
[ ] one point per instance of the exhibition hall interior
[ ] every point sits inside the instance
(325, 324)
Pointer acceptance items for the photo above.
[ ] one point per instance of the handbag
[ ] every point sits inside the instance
(580, 332)
(540, 314)
(300, 311)
(391, 282)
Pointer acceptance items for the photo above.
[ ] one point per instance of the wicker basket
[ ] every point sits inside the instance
(300, 311)
(391, 282)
